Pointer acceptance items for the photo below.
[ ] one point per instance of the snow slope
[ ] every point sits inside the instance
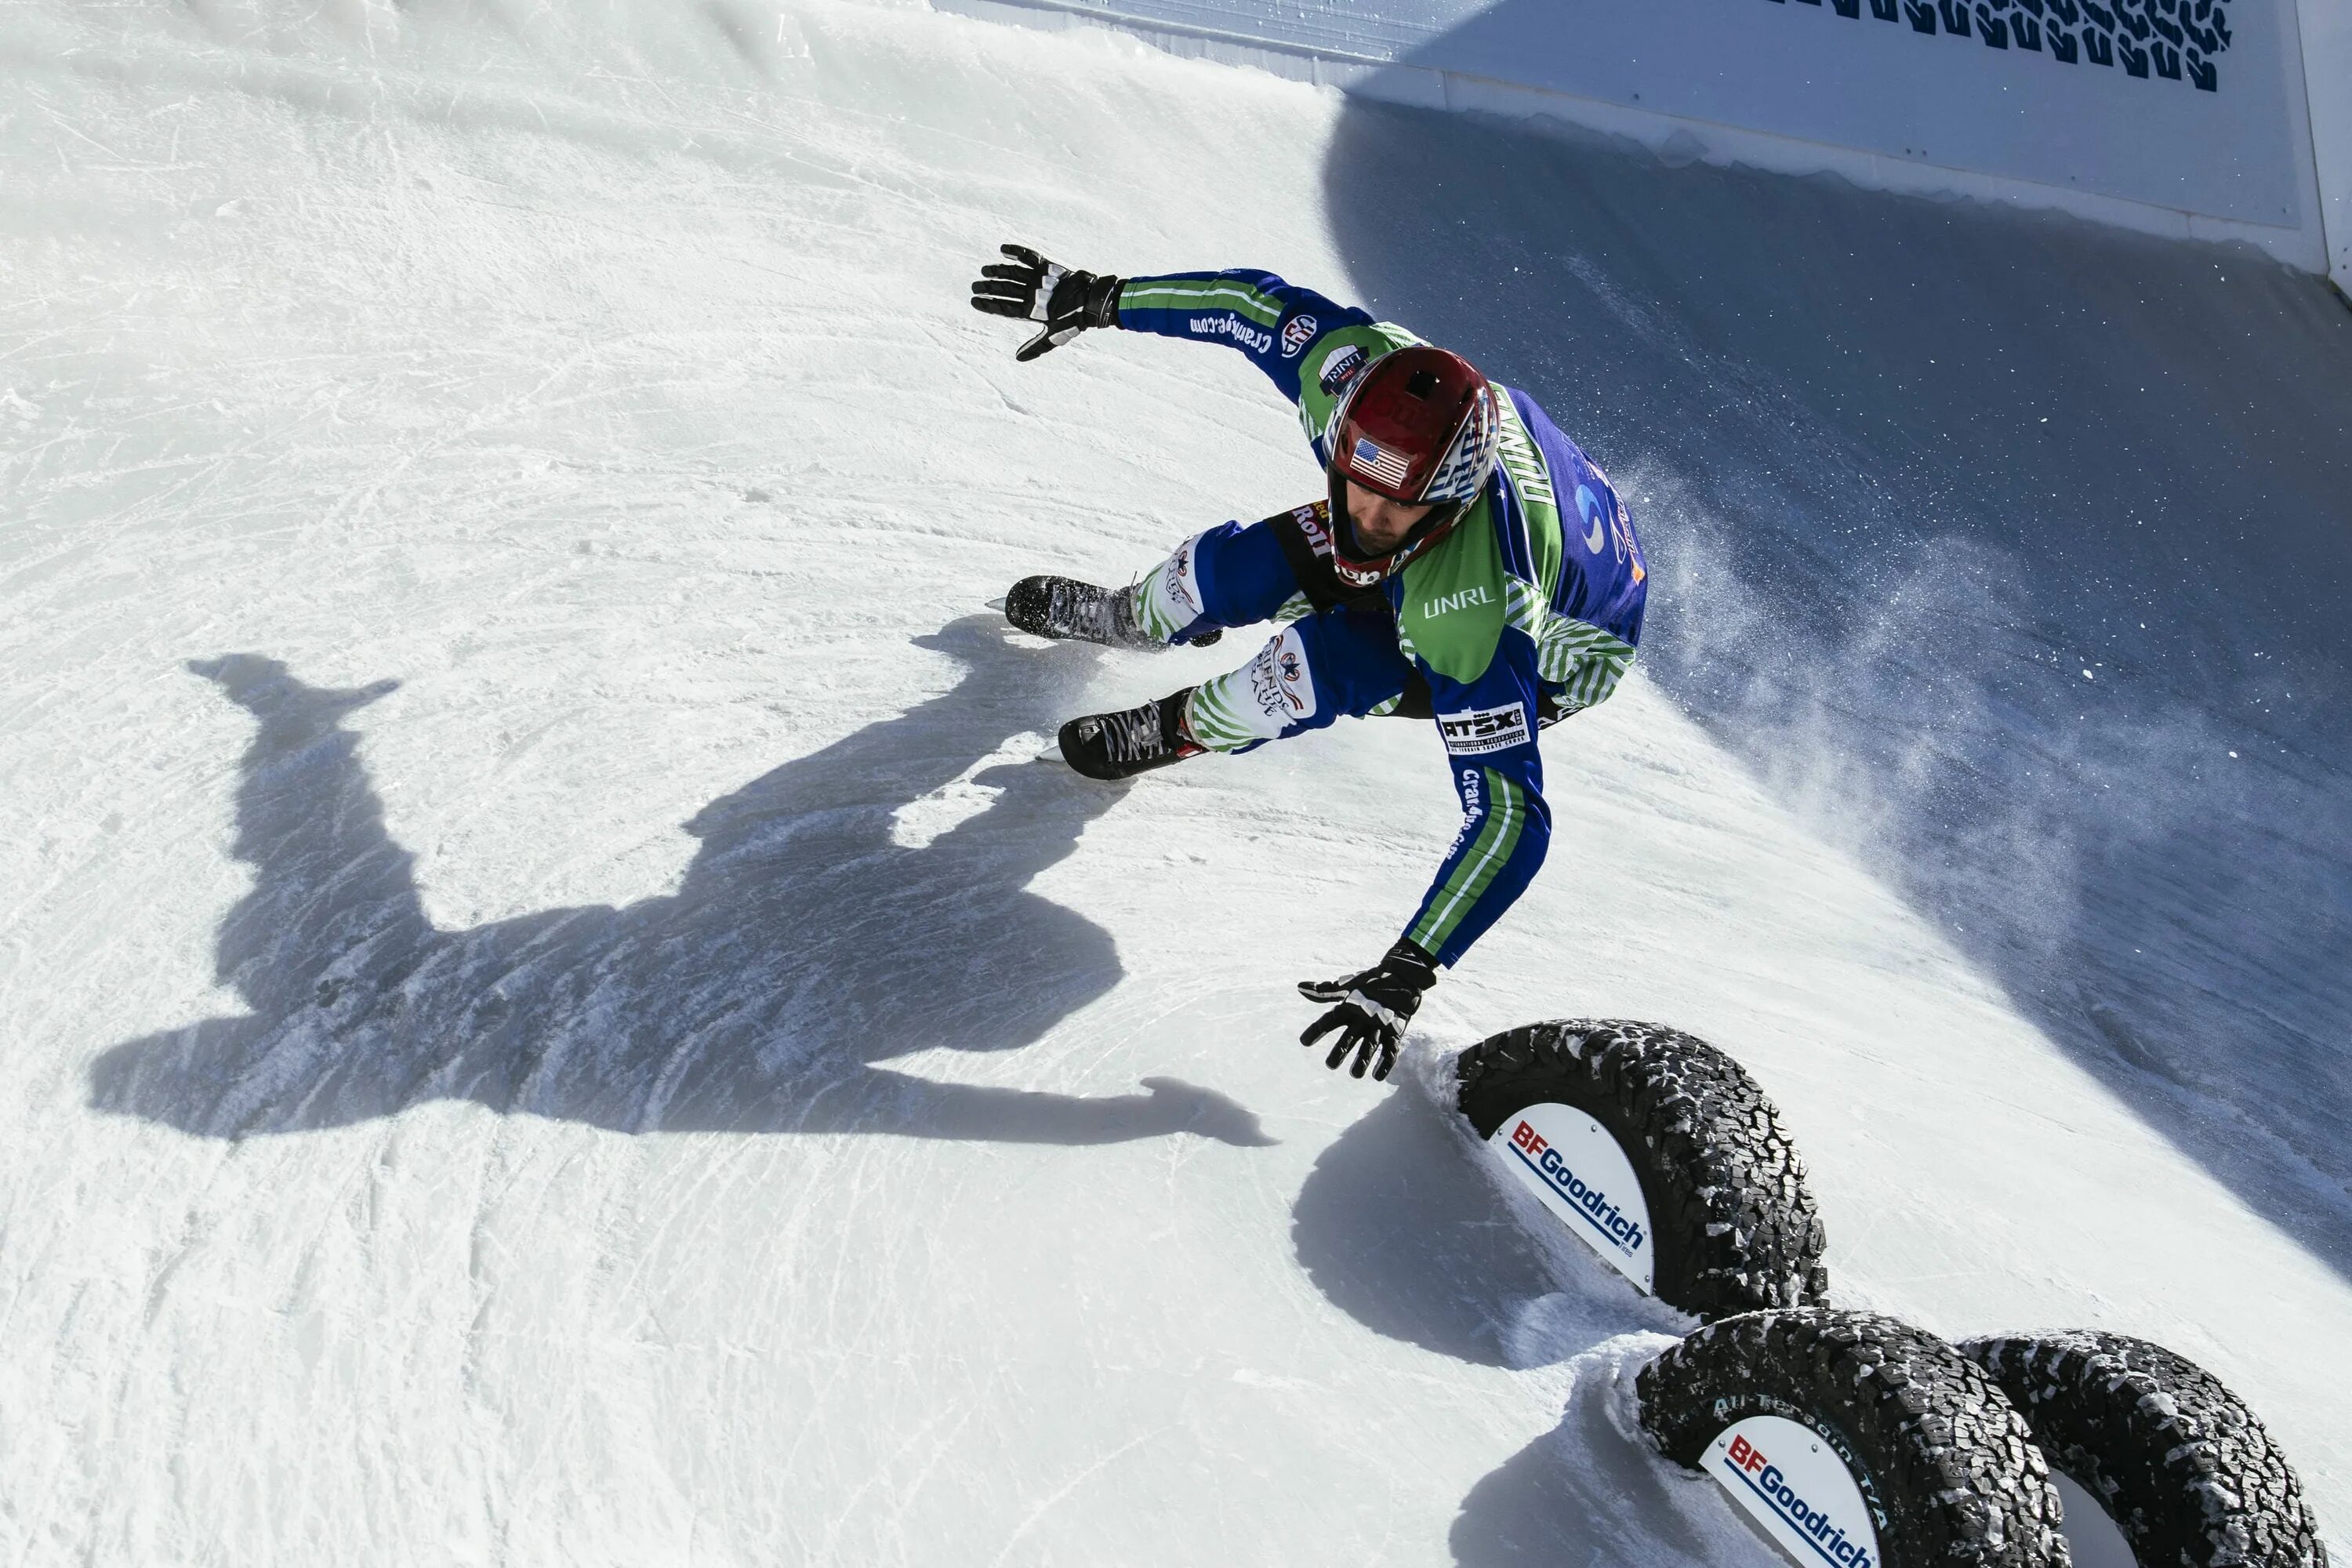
(547, 1015)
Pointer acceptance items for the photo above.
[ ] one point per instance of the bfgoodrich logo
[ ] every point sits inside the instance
(1623, 1231)
(1817, 1525)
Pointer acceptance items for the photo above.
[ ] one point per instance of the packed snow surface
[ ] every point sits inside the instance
(549, 1012)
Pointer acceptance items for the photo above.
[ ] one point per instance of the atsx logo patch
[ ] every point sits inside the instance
(1485, 729)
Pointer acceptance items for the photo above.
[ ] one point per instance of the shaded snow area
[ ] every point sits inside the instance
(549, 1012)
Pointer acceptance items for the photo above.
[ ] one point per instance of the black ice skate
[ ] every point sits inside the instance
(1120, 745)
(1066, 609)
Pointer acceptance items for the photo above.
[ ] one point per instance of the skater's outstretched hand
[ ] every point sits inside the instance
(1028, 288)
(1374, 1006)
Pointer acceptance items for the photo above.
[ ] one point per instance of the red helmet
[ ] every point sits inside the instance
(1419, 427)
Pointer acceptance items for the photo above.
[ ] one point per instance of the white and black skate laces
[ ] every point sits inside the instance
(1089, 613)
(1137, 735)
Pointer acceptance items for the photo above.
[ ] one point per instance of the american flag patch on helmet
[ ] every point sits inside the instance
(1377, 463)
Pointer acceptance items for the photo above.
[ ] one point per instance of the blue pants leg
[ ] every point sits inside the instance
(1316, 670)
(1229, 576)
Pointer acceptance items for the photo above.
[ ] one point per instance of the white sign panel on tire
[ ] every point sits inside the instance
(1576, 1170)
(1794, 1484)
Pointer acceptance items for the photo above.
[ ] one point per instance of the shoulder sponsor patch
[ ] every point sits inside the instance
(1296, 333)
(1340, 368)
(1485, 729)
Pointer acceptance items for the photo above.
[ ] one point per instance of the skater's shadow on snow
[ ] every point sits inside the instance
(809, 942)
(1401, 1229)
(1588, 1495)
(1401, 1234)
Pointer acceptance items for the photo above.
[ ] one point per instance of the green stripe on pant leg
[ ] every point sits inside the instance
(1506, 815)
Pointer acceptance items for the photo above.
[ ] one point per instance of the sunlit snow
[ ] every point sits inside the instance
(551, 1013)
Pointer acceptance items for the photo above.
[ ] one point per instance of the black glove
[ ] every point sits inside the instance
(1033, 289)
(1373, 1007)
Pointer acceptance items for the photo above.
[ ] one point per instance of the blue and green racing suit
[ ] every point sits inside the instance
(1529, 610)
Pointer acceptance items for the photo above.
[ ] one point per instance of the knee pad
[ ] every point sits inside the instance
(1271, 696)
(1169, 603)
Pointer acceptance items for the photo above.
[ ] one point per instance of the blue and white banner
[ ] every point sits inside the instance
(2187, 117)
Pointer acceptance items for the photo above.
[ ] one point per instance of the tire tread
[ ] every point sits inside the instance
(1956, 1476)
(2187, 1471)
(1737, 1226)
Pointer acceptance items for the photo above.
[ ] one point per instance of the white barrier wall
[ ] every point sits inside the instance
(2327, 70)
(2185, 116)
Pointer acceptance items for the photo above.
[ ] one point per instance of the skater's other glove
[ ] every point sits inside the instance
(1028, 288)
(1373, 1008)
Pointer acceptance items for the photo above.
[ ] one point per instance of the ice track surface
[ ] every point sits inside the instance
(547, 1016)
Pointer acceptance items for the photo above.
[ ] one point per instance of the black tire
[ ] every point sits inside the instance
(1735, 1228)
(2180, 1463)
(1942, 1457)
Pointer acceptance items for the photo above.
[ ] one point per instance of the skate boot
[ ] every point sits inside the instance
(1120, 745)
(1065, 608)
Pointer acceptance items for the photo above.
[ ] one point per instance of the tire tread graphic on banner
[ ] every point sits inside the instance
(2176, 39)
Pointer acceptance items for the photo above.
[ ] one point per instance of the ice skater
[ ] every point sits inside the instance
(1467, 562)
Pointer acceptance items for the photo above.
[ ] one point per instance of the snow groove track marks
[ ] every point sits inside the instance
(1942, 1456)
(2181, 1464)
(1738, 1229)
